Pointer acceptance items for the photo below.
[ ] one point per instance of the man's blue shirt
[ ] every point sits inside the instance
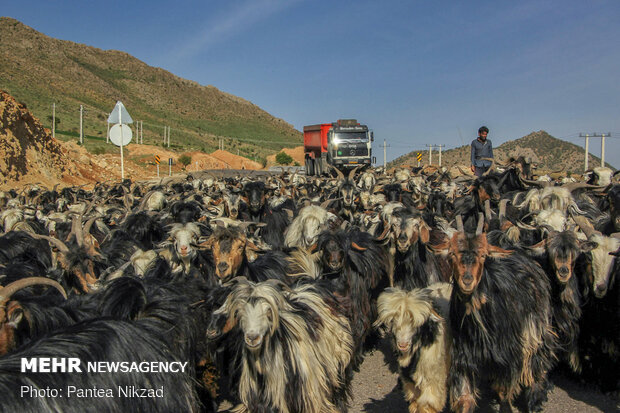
(481, 150)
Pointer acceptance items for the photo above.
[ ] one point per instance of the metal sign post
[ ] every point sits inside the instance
(120, 133)
(157, 160)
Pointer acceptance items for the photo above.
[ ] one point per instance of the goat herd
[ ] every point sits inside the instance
(271, 291)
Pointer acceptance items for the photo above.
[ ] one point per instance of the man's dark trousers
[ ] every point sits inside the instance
(479, 170)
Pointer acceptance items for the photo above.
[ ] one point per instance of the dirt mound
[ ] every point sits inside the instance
(152, 150)
(28, 154)
(296, 153)
(201, 160)
(235, 161)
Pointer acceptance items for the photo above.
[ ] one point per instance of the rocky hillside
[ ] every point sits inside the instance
(27, 153)
(39, 70)
(548, 152)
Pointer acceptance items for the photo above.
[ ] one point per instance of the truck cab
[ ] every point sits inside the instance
(342, 144)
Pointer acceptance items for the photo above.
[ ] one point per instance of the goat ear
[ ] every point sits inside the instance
(249, 245)
(537, 249)
(14, 314)
(587, 246)
(442, 249)
(429, 331)
(424, 233)
(206, 244)
(497, 252)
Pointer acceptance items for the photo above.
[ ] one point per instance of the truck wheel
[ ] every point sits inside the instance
(318, 166)
(309, 167)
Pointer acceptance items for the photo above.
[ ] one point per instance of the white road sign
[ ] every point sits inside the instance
(115, 134)
(119, 114)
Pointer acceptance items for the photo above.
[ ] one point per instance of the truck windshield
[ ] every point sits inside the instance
(360, 136)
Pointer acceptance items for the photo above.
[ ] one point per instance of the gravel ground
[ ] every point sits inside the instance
(375, 390)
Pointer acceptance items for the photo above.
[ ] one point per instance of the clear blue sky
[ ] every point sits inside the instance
(416, 72)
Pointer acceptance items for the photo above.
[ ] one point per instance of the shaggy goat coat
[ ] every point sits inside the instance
(423, 341)
(297, 351)
(502, 332)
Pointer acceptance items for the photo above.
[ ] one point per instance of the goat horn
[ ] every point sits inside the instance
(459, 224)
(76, 229)
(491, 167)
(502, 208)
(324, 204)
(523, 225)
(585, 226)
(357, 247)
(573, 186)
(480, 223)
(145, 198)
(7, 291)
(89, 224)
(58, 243)
(352, 173)
(487, 210)
(540, 184)
(338, 172)
(386, 230)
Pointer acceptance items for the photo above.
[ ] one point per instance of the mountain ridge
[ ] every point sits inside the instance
(548, 152)
(39, 70)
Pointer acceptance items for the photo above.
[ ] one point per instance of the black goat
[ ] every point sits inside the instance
(501, 321)
(415, 266)
(355, 266)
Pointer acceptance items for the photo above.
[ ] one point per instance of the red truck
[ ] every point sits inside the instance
(342, 144)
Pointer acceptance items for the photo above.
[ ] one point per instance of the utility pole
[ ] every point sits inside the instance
(595, 135)
(585, 163)
(384, 154)
(81, 133)
(141, 132)
(54, 120)
(430, 154)
(440, 146)
(165, 128)
(602, 150)
(168, 136)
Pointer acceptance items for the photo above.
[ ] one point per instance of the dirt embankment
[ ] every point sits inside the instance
(296, 153)
(29, 155)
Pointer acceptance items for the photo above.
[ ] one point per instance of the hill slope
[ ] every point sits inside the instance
(548, 152)
(38, 70)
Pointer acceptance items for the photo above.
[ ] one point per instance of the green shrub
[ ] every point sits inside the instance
(283, 158)
(185, 160)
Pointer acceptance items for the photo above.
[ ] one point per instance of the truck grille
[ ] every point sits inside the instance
(352, 150)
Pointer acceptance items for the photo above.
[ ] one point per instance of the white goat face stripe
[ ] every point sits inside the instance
(602, 262)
